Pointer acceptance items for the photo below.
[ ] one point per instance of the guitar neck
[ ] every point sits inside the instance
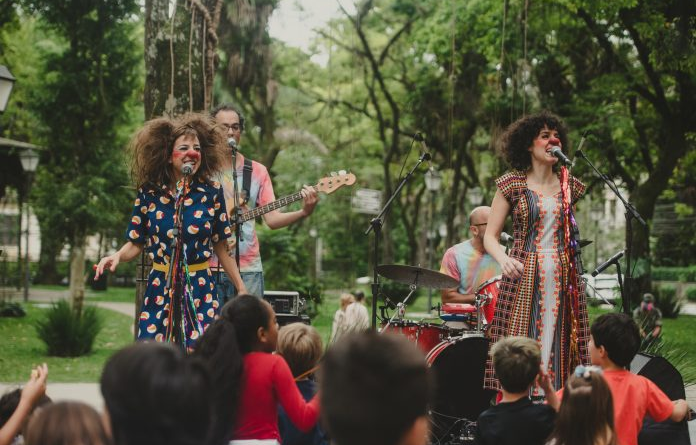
(277, 204)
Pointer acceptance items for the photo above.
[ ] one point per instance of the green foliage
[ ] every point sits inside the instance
(67, 334)
(666, 300)
(676, 355)
(89, 77)
(23, 349)
(691, 294)
(11, 309)
(286, 266)
(684, 274)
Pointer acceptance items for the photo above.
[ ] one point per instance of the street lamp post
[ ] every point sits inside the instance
(30, 160)
(6, 83)
(433, 180)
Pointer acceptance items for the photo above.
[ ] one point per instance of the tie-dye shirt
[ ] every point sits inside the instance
(260, 194)
(471, 267)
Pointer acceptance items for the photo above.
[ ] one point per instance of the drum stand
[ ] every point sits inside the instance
(480, 298)
(400, 309)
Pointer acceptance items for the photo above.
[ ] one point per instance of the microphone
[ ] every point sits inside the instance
(557, 152)
(424, 149)
(505, 238)
(232, 143)
(187, 168)
(617, 256)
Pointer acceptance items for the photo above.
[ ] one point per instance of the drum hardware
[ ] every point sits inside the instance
(459, 366)
(400, 308)
(417, 276)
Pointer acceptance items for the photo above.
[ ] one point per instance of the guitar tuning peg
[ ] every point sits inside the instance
(342, 172)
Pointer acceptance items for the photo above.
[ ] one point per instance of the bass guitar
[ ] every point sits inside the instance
(326, 185)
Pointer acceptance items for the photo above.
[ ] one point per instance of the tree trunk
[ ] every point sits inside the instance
(179, 54)
(77, 275)
(673, 148)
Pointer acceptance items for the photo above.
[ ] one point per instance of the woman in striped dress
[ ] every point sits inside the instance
(541, 293)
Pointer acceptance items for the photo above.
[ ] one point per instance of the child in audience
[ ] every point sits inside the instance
(67, 423)
(250, 330)
(156, 395)
(375, 390)
(300, 345)
(34, 390)
(516, 420)
(614, 341)
(9, 403)
(586, 416)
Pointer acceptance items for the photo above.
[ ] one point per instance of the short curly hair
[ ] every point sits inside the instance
(520, 135)
(152, 148)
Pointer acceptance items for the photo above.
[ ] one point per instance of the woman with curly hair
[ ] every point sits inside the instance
(179, 214)
(541, 293)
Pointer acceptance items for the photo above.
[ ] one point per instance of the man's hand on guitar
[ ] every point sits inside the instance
(310, 199)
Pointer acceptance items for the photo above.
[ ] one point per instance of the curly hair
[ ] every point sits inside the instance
(152, 148)
(520, 135)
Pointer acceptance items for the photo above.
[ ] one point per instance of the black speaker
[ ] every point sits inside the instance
(661, 372)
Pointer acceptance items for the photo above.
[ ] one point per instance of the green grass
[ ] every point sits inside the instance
(116, 294)
(22, 349)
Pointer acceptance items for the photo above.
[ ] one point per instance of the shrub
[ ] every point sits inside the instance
(10, 309)
(67, 334)
(667, 301)
(691, 294)
(684, 274)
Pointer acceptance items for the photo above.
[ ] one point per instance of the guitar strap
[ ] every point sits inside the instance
(246, 179)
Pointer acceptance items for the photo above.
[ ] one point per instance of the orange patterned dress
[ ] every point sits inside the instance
(542, 304)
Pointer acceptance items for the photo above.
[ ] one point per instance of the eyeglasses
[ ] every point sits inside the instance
(233, 127)
(480, 224)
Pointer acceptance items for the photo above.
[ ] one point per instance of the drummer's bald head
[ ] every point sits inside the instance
(479, 215)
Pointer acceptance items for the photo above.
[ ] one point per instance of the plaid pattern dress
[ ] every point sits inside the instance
(536, 305)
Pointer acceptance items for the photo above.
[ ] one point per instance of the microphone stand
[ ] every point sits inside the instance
(237, 208)
(177, 246)
(630, 214)
(376, 226)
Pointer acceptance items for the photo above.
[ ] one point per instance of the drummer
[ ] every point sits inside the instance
(468, 261)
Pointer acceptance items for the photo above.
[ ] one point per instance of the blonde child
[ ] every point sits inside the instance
(301, 347)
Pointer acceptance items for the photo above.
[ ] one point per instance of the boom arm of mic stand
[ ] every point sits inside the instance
(376, 225)
(631, 212)
(627, 205)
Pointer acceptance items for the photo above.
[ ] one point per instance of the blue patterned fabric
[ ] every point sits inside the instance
(152, 223)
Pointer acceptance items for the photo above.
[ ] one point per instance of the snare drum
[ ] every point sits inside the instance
(425, 335)
(460, 316)
(489, 290)
(458, 365)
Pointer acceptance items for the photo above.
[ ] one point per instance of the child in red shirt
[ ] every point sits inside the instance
(239, 349)
(613, 343)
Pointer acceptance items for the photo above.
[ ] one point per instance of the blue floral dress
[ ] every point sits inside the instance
(204, 223)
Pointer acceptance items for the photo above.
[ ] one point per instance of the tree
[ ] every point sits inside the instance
(88, 80)
(180, 45)
(636, 69)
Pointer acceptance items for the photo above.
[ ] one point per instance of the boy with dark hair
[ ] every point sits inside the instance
(375, 391)
(516, 420)
(614, 341)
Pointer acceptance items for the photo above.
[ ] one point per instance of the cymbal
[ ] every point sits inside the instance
(416, 276)
(585, 242)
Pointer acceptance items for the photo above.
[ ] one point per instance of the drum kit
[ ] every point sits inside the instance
(455, 349)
